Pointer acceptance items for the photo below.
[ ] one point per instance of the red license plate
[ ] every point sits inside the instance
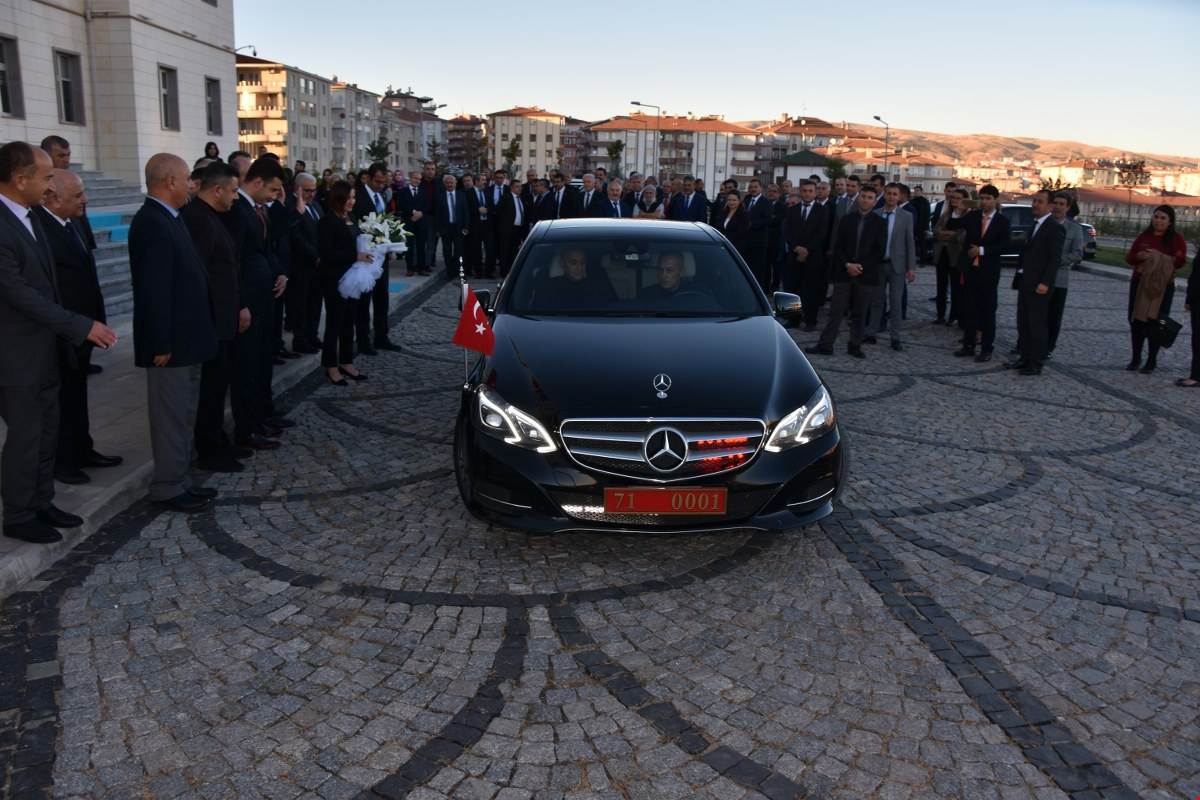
(655, 500)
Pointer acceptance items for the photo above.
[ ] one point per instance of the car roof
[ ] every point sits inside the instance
(565, 230)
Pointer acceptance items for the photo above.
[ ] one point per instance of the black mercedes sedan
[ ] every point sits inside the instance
(641, 380)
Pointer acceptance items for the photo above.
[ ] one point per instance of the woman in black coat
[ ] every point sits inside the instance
(1192, 305)
(337, 249)
(735, 223)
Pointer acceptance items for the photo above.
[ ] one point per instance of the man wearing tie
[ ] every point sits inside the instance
(1039, 263)
(452, 223)
(565, 201)
(512, 222)
(987, 234)
(804, 230)
(304, 292)
(79, 290)
(614, 205)
(688, 206)
(494, 193)
(899, 265)
(410, 205)
(478, 227)
(759, 210)
(588, 195)
(370, 199)
(32, 320)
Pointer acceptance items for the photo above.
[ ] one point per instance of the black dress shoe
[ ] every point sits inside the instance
(986, 355)
(1018, 364)
(389, 346)
(53, 515)
(95, 369)
(34, 531)
(425, 273)
(185, 502)
(1146, 370)
(896, 345)
(268, 432)
(368, 351)
(283, 423)
(206, 492)
(277, 361)
(94, 459)
(857, 352)
(258, 442)
(362, 376)
(870, 340)
(1029, 369)
(71, 475)
(240, 452)
(338, 382)
(288, 354)
(819, 351)
(219, 464)
(964, 352)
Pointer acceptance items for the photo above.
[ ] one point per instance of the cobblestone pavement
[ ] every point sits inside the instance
(1006, 605)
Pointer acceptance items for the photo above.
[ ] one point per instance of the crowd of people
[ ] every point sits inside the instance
(228, 255)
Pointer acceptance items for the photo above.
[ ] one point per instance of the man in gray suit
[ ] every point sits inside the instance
(1072, 256)
(899, 266)
(32, 320)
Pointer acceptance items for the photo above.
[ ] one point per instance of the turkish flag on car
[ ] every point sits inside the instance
(473, 331)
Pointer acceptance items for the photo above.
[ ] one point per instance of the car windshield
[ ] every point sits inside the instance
(632, 278)
(1018, 216)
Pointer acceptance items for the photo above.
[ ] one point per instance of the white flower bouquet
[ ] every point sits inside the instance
(379, 235)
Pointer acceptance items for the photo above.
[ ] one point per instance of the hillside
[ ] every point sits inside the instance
(977, 147)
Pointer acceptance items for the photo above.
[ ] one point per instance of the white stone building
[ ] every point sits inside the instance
(706, 147)
(284, 110)
(355, 114)
(120, 79)
(540, 133)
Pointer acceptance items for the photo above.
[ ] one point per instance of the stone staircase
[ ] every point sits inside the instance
(111, 206)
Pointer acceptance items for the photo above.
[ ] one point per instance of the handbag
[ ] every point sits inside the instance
(1164, 331)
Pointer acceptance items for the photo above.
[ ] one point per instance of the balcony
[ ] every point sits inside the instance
(263, 138)
(262, 112)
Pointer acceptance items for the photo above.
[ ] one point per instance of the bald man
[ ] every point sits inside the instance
(79, 291)
(173, 330)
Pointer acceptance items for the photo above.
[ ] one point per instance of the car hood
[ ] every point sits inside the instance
(559, 368)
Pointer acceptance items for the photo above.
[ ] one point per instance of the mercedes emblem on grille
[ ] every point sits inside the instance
(662, 382)
(665, 449)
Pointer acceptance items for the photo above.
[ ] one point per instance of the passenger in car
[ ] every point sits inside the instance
(575, 288)
(670, 279)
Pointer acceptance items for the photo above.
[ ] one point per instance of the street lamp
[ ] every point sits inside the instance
(657, 129)
(887, 143)
(253, 50)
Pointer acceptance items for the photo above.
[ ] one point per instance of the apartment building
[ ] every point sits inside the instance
(355, 115)
(129, 79)
(465, 137)
(707, 147)
(539, 132)
(284, 110)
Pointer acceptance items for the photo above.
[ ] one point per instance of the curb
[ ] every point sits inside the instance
(1118, 273)
(292, 383)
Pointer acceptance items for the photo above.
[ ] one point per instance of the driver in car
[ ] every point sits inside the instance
(573, 289)
(670, 279)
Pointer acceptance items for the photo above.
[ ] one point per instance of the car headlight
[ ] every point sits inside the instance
(805, 424)
(511, 424)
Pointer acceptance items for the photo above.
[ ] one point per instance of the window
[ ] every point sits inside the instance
(550, 155)
(212, 105)
(10, 79)
(168, 97)
(68, 79)
(549, 137)
(504, 137)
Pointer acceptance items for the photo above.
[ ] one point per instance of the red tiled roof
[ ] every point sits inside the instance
(524, 111)
(1139, 196)
(669, 123)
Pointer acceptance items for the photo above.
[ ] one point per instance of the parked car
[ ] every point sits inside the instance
(641, 380)
(1020, 221)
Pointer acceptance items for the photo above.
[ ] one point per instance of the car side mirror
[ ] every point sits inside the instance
(787, 305)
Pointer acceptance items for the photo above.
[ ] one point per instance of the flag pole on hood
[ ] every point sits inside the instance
(462, 302)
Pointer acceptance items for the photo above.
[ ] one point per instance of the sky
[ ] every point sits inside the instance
(1103, 72)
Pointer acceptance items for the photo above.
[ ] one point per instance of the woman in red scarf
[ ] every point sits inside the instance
(1162, 237)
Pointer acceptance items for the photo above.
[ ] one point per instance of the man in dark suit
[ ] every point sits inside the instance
(373, 314)
(32, 320)
(452, 218)
(804, 230)
(512, 224)
(541, 204)
(759, 211)
(917, 204)
(614, 205)
(494, 193)
(563, 196)
(219, 254)
(859, 246)
(479, 225)
(173, 331)
(987, 232)
(588, 195)
(688, 205)
(280, 218)
(410, 206)
(303, 293)
(258, 284)
(1039, 263)
(79, 290)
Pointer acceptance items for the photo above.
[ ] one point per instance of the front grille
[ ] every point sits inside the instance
(589, 507)
(617, 446)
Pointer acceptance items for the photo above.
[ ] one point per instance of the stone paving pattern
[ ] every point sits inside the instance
(1006, 604)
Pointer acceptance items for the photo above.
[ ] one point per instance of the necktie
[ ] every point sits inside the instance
(887, 217)
(312, 211)
(804, 213)
(379, 203)
(450, 206)
(262, 217)
(616, 209)
(687, 202)
(70, 226)
(982, 232)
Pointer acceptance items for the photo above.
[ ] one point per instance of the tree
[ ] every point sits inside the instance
(834, 168)
(481, 158)
(1131, 174)
(435, 153)
(1057, 185)
(614, 155)
(511, 153)
(379, 150)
